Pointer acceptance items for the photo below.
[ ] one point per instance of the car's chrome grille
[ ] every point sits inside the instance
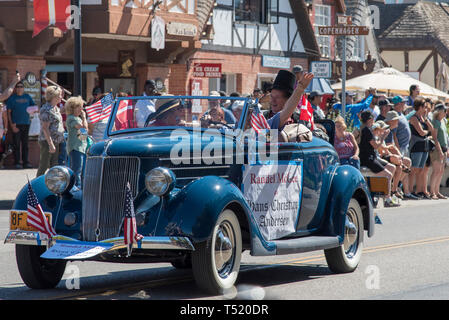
(104, 194)
(186, 173)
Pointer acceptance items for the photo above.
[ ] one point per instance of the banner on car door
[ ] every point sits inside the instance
(273, 192)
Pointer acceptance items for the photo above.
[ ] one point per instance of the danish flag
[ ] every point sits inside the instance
(306, 111)
(50, 12)
(124, 119)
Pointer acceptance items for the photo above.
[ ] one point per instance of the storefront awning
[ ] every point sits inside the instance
(70, 68)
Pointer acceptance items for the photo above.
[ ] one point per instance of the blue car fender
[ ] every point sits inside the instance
(54, 204)
(348, 183)
(196, 207)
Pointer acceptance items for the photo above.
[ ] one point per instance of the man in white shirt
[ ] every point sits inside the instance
(146, 107)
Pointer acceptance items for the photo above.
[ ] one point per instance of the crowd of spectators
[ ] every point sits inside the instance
(401, 138)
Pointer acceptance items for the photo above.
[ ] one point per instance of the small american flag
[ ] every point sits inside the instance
(306, 111)
(36, 217)
(258, 121)
(129, 229)
(101, 109)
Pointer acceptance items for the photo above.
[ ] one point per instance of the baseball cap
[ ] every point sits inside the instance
(297, 68)
(397, 99)
(348, 93)
(385, 102)
(214, 94)
(314, 94)
(392, 115)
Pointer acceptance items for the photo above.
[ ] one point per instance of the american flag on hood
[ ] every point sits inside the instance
(129, 227)
(258, 121)
(101, 109)
(306, 111)
(36, 217)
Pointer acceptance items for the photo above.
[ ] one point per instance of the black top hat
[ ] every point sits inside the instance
(285, 80)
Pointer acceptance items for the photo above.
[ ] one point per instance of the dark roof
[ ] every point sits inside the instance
(421, 25)
(203, 10)
(388, 13)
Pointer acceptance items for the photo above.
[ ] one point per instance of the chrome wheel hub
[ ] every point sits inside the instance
(351, 233)
(224, 249)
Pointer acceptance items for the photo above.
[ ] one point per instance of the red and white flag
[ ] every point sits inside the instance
(100, 110)
(258, 121)
(124, 119)
(306, 111)
(50, 12)
(36, 217)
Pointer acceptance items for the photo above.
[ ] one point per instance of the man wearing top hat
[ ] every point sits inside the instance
(285, 98)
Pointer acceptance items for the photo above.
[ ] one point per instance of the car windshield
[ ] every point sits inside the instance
(130, 113)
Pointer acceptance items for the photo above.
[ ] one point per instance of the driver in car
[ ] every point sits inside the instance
(169, 112)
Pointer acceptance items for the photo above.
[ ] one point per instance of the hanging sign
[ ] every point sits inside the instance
(273, 192)
(157, 33)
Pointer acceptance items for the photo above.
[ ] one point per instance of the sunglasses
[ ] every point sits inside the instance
(20, 87)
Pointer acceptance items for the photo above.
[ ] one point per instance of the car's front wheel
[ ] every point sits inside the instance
(216, 262)
(36, 272)
(346, 257)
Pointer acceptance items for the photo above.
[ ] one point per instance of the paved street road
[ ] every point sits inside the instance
(407, 259)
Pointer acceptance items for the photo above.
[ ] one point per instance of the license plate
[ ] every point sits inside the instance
(18, 220)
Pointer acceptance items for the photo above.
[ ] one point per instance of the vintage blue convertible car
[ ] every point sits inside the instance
(202, 193)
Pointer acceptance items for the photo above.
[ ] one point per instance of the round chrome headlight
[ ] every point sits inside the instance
(160, 181)
(59, 179)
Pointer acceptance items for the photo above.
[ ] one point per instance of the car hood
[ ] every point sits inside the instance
(162, 143)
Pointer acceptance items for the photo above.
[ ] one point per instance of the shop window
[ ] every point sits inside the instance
(226, 83)
(257, 11)
(323, 18)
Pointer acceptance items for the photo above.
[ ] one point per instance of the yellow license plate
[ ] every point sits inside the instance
(18, 220)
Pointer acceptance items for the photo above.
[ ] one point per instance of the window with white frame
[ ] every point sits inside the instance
(358, 53)
(323, 18)
(226, 83)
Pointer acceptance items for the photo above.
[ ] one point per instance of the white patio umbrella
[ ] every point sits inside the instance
(391, 81)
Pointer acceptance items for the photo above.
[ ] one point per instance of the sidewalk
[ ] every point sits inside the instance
(11, 181)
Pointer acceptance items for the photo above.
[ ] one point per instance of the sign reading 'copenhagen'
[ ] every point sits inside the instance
(344, 31)
(207, 70)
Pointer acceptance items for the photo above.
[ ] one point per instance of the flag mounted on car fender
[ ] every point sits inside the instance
(50, 12)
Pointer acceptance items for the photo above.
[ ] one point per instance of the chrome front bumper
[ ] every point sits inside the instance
(162, 243)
